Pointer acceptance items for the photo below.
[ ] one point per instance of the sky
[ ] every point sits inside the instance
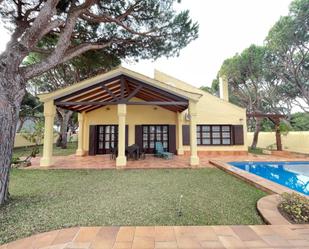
(226, 27)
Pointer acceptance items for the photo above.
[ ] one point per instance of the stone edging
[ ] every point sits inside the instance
(268, 209)
(255, 180)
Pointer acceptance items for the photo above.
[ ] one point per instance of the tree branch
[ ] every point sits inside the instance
(32, 36)
(62, 44)
(80, 49)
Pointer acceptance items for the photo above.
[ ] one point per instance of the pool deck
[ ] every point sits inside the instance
(198, 237)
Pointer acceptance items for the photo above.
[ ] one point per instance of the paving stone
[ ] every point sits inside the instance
(165, 244)
(86, 234)
(122, 245)
(245, 233)
(143, 242)
(191, 237)
(125, 234)
(65, 235)
(164, 234)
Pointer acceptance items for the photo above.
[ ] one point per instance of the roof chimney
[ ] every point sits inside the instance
(224, 88)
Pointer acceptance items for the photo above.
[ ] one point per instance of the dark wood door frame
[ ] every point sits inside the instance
(153, 133)
(107, 138)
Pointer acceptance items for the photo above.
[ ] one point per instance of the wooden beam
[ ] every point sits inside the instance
(164, 92)
(127, 87)
(92, 108)
(93, 103)
(102, 98)
(87, 88)
(136, 90)
(122, 86)
(109, 91)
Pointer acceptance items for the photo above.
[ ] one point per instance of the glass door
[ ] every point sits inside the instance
(107, 138)
(153, 134)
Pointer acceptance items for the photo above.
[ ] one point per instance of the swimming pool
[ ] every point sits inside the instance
(294, 175)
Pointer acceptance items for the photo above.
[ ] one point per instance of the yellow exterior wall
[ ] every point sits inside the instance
(292, 141)
(136, 115)
(211, 110)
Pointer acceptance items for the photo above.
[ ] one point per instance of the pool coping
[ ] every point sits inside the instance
(255, 180)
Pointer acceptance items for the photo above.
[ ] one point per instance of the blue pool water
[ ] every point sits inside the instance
(294, 175)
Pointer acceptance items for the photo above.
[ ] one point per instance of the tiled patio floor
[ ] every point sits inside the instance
(104, 161)
(288, 236)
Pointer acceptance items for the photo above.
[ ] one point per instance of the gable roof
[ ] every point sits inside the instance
(112, 74)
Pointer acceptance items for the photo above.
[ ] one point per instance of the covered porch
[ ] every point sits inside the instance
(118, 99)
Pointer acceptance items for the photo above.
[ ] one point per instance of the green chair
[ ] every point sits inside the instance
(160, 152)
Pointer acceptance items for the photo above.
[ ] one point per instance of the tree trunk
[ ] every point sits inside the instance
(20, 125)
(256, 133)
(11, 95)
(65, 117)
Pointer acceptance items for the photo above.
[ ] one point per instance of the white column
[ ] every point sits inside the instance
(49, 114)
(81, 120)
(194, 160)
(121, 160)
(180, 150)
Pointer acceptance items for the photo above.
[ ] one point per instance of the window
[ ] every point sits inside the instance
(214, 135)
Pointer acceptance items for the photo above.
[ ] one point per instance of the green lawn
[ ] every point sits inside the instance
(45, 200)
(257, 151)
(26, 151)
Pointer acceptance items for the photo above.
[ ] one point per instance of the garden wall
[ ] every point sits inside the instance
(20, 141)
(296, 141)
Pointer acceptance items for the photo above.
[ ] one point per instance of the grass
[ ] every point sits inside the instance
(44, 200)
(257, 151)
(26, 151)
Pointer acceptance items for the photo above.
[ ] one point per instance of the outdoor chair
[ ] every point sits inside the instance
(142, 154)
(160, 152)
(113, 154)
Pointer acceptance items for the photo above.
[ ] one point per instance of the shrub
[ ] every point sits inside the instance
(295, 207)
(15, 160)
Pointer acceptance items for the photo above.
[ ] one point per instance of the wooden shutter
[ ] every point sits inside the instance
(139, 135)
(186, 135)
(172, 138)
(92, 140)
(127, 135)
(238, 134)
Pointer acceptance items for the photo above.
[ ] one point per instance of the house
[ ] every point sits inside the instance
(122, 107)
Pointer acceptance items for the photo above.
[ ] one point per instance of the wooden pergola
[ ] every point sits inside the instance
(120, 90)
(275, 118)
